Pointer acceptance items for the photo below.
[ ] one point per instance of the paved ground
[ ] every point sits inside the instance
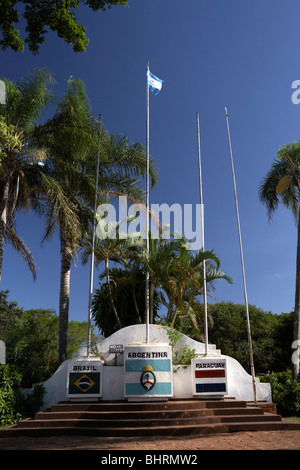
(258, 440)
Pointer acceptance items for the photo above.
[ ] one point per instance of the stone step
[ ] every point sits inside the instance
(112, 415)
(146, 422)
(270, 417)
(172, 418)
(190, 430)
(140, 406)
(145, 414)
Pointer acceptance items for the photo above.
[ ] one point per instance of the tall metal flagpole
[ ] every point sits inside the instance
(202, 232)
(242, 261)
(89, 345)
(147, 206)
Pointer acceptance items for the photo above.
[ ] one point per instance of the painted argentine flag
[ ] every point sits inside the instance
(154, 83)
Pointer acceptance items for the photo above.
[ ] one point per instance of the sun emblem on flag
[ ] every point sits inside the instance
(148, 378)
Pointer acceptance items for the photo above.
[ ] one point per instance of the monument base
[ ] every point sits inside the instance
(147, 400)
(124, 378)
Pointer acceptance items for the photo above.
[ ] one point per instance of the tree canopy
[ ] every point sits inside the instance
(43, 16)
(281, 185)
(31, 338)
(271, 336)
(50, 167)
(19, 158)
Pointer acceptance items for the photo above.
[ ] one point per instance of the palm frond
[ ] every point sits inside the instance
(62, 210)
(20, 246)
(282, 183)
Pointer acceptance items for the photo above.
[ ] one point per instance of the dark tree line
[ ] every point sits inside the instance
(272, 336)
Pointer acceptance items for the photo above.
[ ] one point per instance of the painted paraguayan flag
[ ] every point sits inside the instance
(154, 83)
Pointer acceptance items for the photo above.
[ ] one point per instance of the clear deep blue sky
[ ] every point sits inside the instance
(210, 53)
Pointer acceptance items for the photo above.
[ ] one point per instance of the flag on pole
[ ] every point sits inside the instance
(154, 83)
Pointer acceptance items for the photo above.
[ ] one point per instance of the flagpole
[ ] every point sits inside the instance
(242, 261)
(89, 348)
(147, 205)
(202, 232)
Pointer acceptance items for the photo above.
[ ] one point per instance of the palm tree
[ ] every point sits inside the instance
(71, 142)
(157, 262)
(19, 170)
(128, 290)
(177, 271)
(282, 185)
(110, 246)
(174, 270)
(186, 285)
(68, 139)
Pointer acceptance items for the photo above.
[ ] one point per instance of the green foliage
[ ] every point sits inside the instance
(285, 392)
(31, 338)
(182, 356)
(281, 185)
(175, 274)
(10, 394)
(271, 335)
(174, 336)
(9, 314)
(185, 355)
(284, 169)
(19, 169)
(7, 138)
(48, 14)
(32, 402)
(128, 292)
(13, 404)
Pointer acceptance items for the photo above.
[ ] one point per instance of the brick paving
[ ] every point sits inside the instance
(256, 440)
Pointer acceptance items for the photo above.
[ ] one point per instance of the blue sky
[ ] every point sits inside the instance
(211, 54)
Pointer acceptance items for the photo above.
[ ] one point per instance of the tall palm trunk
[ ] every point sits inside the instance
(297, 303)
(64, 297)
(110, 294)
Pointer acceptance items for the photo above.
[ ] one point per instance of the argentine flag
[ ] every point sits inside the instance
(154, 83)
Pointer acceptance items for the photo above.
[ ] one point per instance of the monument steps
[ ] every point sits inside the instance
(141, 423)
(139, 406)
(170, 418)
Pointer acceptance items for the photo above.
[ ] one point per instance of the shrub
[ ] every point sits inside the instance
(33, 401)
(10, 394)
(13, 405)
(285, 392)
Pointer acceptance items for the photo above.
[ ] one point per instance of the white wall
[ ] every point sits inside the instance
(240, 384)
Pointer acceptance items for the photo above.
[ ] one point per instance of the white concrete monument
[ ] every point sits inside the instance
(128, 370)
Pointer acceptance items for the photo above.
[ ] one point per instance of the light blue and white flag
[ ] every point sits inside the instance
(154, 83)
(148, 371)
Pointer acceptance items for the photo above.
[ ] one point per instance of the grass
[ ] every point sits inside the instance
(294, 418)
